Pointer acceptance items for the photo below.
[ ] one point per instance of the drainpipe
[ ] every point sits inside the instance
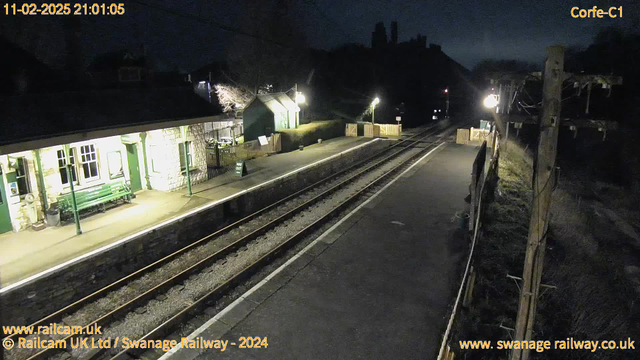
(186, 162)
(143, 138)
(74, 203)
(43, 191)
(184, 130)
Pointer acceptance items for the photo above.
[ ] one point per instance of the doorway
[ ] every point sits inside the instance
(134, 167)
(5, 216)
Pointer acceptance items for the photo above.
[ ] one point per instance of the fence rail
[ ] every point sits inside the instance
(478, 188)
(228, 156)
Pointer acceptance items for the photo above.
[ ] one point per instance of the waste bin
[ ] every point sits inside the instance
(463, 220)
(53, 216)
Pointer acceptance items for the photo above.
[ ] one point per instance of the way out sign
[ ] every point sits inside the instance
(241, 168)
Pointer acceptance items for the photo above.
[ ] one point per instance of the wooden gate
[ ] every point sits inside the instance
(351, 130)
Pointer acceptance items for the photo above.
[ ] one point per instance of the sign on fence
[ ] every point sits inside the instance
(241, 168)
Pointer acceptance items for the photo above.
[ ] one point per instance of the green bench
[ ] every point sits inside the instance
(94, 196)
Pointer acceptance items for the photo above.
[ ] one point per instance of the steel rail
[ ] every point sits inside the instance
(165, 285)
(56, 316)
(251, 269)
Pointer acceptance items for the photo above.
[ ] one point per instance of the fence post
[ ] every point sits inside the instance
(469, 290)
(217, 151)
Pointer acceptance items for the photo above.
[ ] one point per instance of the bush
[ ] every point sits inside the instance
(308, 134)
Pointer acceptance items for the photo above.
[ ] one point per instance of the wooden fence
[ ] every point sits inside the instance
(351, 129)
(227, 156)
(479, 188)
(390, 129)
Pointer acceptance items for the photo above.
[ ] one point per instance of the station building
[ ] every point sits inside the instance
(135, 137)
(269, 113)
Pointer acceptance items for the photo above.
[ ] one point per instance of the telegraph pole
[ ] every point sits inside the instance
(542, 187)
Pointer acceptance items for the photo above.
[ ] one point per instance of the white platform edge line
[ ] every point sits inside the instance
(172, 220)
(230, 307)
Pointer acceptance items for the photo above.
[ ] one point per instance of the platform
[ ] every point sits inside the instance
(377, 285)
(30, 252)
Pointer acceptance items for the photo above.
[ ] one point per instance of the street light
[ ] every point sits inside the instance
(446, 114)
(375, 102)
(491, 101)
(300, 99)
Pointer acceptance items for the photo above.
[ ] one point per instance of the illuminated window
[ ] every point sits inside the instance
(114, 161)
(189, 155)
(22, 176)
(62, 166)
(89, 161)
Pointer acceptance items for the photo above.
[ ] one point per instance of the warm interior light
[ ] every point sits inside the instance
(491, 101)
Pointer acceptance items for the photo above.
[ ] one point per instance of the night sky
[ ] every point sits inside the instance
(468, 31)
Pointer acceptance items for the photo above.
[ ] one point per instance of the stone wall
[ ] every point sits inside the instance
(164, 158)
(42, 296)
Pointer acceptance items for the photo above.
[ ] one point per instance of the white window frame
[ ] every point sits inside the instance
(87, 158)
(74, 165)
(27, 181)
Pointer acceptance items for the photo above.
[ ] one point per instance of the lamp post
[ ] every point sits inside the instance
(375, 102)
(446, 114)
(183, 130)
(300, 99)
(74, 203)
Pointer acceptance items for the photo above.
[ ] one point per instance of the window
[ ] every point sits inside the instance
(62, 166)
(22, 176)
(89, 161)
(114, 161)
(126, 74)
(189, 155)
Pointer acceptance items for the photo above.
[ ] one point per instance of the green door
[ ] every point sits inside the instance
(5, 218)
(134, 167)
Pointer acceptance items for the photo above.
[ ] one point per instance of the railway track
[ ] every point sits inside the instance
(176, 287)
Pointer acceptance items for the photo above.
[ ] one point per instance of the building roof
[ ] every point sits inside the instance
(115, 60)
(41, 116)
(277, 102)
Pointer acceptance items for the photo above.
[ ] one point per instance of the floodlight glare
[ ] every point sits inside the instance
(375, 102)
(491, 101)
(300, 99)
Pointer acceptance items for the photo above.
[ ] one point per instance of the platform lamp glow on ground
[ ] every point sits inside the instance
(375, 102)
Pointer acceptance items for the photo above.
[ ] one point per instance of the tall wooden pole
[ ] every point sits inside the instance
(542, 187)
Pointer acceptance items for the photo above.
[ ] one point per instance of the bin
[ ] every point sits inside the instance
(53, 216)
(463, 220)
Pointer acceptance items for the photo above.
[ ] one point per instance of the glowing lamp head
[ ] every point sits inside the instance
(300, 99)
(491, 101)
(446, 91)
(375, 102)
